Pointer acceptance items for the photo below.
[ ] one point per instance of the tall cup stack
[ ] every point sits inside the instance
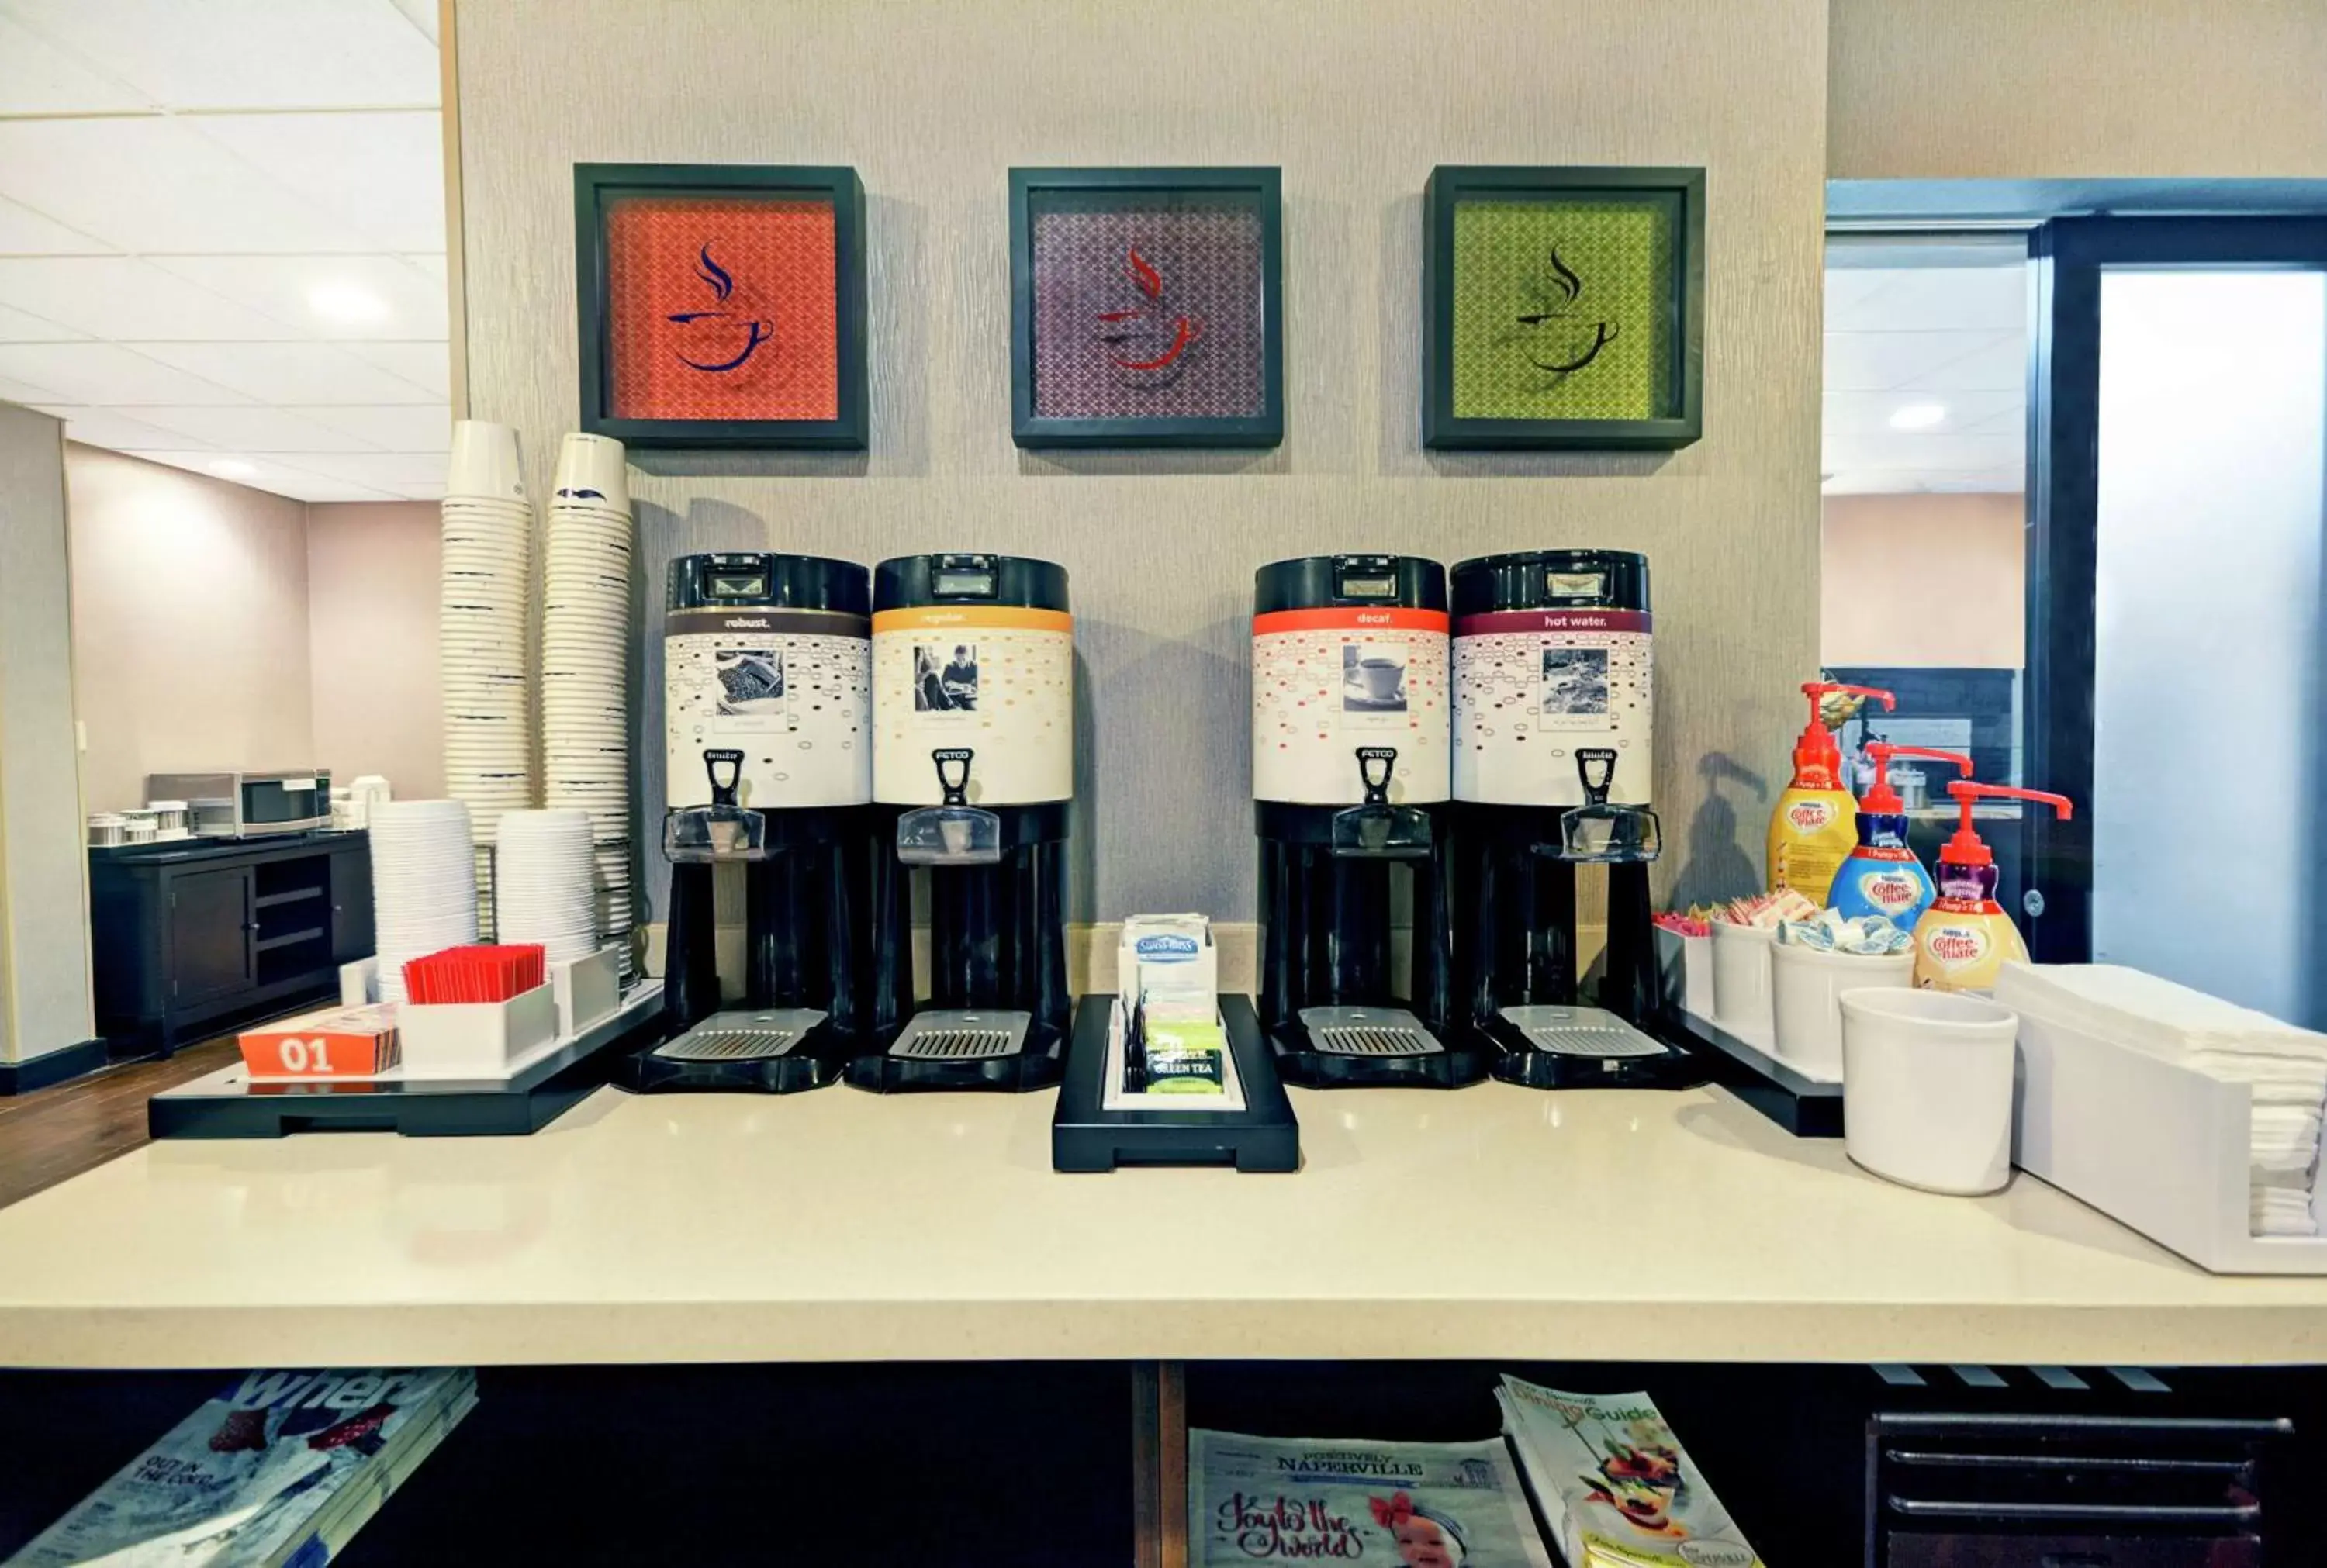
(586, 640)
(483, 634)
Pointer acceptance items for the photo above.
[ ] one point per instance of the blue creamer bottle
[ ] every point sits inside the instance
(1882, 876)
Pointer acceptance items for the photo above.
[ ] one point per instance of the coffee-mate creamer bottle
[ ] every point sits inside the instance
(1965, 937)
(1815, 825)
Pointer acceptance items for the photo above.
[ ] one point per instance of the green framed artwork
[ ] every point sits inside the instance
(1563, 307)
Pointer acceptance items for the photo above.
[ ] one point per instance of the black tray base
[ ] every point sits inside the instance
(814, 1062)
(1806, 1107)
(1465, 1060)
(1041, 1063)
(1265, 1136)
(228, 1104)
(1518, 1062)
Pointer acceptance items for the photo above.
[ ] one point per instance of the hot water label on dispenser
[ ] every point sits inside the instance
(1531, 686)
(791, 689)
(1328, 681)
(997, 680)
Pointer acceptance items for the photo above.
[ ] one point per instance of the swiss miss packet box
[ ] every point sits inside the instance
(1167, 955)
(334, 1043)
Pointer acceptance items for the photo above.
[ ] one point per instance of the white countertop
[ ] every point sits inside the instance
(1492, 1222)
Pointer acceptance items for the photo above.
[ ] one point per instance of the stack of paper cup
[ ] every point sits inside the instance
(585, 627)
(487, 582)
(543, 885)
(424, 886)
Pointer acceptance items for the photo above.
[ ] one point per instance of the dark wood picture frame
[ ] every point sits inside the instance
(1449, 184)
(595, 185)
(1263, 186)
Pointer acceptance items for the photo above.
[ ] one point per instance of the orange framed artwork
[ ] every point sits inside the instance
(721, 305)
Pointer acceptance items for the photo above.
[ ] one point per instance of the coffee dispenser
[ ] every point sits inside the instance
(1552, 698)
(973, 767)
(767, 684)
(1348, 777)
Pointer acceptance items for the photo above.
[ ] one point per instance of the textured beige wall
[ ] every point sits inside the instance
(1930, 580)
(189, 624)
(372, 635)
(44, 988)
(1355, 99)
(2011, 89)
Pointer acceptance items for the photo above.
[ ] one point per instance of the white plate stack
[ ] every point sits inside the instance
(586, 638)
(482, 635)
(424, 884)
(545, 883)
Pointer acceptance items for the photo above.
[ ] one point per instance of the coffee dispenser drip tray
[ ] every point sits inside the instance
(1367, 1031)
(1548, 1047)
(951, 1035)
(743, 1036)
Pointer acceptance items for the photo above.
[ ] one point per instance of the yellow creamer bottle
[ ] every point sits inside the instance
(1965, 937)
(1815, 825)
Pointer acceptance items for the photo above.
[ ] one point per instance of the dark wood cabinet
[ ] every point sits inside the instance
(189, 940)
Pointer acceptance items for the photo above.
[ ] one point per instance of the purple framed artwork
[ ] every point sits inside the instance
(1146, 307)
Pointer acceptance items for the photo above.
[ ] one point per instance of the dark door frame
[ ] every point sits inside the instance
(2066, 259)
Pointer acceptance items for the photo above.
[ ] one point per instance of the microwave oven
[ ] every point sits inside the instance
(248, 805)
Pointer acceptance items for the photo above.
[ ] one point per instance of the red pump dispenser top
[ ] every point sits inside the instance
(1817, 761)
(1967, 847)
(1880, 796)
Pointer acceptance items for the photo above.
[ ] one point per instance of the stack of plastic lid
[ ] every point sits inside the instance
(543, 885)
(488, 581)
(424, 884)
(586, 641)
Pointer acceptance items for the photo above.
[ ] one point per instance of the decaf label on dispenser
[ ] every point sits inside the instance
(997, 680)
(791, 689)
(1531, 686)
(1326, 682)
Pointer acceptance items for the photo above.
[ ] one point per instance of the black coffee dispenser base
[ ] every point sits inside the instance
(1518, 1060)
(813, 1063)
(1460, 1063)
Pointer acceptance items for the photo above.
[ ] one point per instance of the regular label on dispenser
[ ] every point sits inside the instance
(1532, 687)
(997, 679)
(1326, 682)
(791, 689)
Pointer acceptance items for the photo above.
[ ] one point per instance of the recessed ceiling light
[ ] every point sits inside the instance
(346, 301)
(1919, 417)
(232, 468)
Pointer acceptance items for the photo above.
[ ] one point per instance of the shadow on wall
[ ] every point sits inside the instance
(1718, 867)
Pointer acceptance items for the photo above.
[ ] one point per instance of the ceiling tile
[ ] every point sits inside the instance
(121, 298)
(432, 491)
(18, 327)
(285, 373)
(1853, 412)
(424, 365)
(383, 470)
(1899, 453)
(36, 78)
(24, 232)
(159, 185)
(392, 429)
(433, 264)
(1921, 298)
(100, 374)
(281, 478)
(411, 304)
(12, 391)
(1878, 361)
(1999, 364)
(381, 174)
(249, 429)
(248, 53)
(116, 432)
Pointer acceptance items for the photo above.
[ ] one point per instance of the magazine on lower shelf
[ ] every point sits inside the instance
(264, 1475)
(1615, 1486)
(1414, 1504)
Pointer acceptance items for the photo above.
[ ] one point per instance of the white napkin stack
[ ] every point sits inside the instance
(2284, 1068)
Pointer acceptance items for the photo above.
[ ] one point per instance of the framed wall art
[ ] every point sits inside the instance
(1563, 307)
(721, 305)
(1146, 307)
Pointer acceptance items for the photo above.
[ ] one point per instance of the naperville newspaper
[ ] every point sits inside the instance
(1613, 1483)
(236, 1482)
(1408, 1504)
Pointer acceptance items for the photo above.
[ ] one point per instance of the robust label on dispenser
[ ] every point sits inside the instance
(791, 689)
(1329, 684)
(1533, 686)
(998, 680)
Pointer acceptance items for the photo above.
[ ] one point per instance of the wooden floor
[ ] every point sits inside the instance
(54, 1133)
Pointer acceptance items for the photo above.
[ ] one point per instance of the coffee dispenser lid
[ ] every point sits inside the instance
(1552, 580)
(764, 580)
(1329, 582)
(911, 581)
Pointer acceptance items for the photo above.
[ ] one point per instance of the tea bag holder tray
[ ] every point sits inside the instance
(1089, 1134)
